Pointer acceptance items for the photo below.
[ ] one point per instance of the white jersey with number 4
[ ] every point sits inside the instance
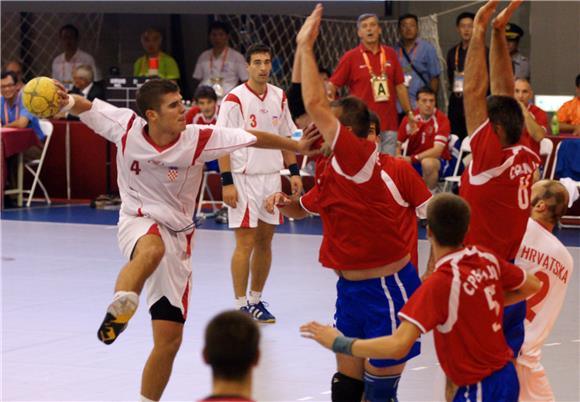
(161, 183)
(542, 254)
(243, 108)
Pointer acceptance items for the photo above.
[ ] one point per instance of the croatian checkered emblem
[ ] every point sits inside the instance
(172, 173)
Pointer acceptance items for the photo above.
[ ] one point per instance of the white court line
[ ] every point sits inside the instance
(326, 393)
(306, 398)
(575, 340)
(419, 368)
(552, 344)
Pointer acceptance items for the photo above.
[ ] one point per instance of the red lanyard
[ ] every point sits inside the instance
(223, 61)
(368, 63)
(6, 115)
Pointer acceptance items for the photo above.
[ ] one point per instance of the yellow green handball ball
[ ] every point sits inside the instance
(40, 98)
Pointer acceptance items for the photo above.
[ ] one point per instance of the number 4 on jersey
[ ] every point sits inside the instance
(135, 167)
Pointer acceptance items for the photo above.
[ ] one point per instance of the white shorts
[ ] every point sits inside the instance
(172, 278)
(534, 384)
(252, 192)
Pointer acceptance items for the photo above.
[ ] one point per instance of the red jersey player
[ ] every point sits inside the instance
(462, 302)
(205, 111)
(497, 183)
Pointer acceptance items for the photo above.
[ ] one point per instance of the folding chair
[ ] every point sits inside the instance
(553, 171)
(455, 178)
(35, 166)
(210, 200)
(546, 148)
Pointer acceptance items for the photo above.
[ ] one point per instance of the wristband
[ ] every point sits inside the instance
(415, 159)
(227, 178)
(294, 169)
(69, 105)
(343, 344)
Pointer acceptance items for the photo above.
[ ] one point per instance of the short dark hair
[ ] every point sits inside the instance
(70, 28)
(219, 25)
(9, 74)
(554, 195)
(149, 95)
(463, 15)
(257, 48)
(578, 81)
(354, 113)
(406, 16)
(205, 92)
(231, 345)
(426, 90)
(375, 119)
(325, 71)
(448, 218)
(506, 112)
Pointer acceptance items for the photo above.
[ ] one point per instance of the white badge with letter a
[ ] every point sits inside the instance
(380, 88)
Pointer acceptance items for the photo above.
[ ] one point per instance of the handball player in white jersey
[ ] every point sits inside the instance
(249, 176)
(542, 254)
(160, 165)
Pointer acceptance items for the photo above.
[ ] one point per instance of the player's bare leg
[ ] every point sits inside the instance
(260, 269)
(146, 257)
(450, 389)
(353, 368)
(430, 168)
(245, 240)
(167, 336)
(500, 69)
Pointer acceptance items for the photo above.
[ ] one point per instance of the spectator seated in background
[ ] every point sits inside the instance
(220, 67)
(205, 109)
(428, 137)
(232, 351)
(84, 84)
(16, 67)
(569, 112)
(64, 64)
(155, 63)
(520, 63)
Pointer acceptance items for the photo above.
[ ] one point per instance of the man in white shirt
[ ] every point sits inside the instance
(65, 63)
(220, 67)
(160, 165)
(542, 254)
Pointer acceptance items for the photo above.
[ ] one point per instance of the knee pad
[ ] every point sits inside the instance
(381, 388)
(346, 389)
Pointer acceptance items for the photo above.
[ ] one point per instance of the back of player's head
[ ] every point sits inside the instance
(354, 113)
(375, 120)
(555, 197)
(255, 49)
(231, 345)
(505, 111)
(425, 90)
(69, 28)
(448, 219)
(219, 26)
(405, 17)
(205, 92)
(463, 15)
(150, 94)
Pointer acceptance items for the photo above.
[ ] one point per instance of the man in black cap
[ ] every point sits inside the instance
(520, 63)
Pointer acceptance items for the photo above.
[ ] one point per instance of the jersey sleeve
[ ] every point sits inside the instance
(108, 121)
(341, 75)
(355, 156)
(231, 113)
(427, 307)
(398, 75)
(215, 142)
(512, 276)
(442, 135)
(402, 134)
(541, 118)
(486, 150)
(413, 188)
(309, 201)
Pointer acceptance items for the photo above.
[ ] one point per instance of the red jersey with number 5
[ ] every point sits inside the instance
(497, 185)
(462, 301)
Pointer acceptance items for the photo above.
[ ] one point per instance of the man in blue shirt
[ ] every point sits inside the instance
(418, 59)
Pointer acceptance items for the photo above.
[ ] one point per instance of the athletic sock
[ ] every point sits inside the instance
(134, 297)
(255, 297)
(144, 399)
(241, 302)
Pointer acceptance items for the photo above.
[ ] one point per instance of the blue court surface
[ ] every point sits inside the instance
(59, 265)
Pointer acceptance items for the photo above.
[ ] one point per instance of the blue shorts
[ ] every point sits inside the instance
(499, 386)
(445, 168)
(368, 309)
(513, 326)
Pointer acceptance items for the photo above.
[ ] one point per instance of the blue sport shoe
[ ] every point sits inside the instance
(260, 313)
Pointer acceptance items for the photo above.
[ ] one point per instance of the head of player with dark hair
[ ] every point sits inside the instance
(447, 220)
(69, 38)
(9, 88)
(219, 35)
(151, 40)
(464, 25)
(159, 102)
(232, 350)
(352, 113)
(259, 59)
(374, 126)
(408, 25)
(506, 117)
(426, 102)
(206, 100)
(549, 202)
(368, 29)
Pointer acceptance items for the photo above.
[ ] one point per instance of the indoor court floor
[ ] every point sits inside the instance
(59, 265)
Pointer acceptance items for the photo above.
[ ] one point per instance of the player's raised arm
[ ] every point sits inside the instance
(313, 94)
(476, 76)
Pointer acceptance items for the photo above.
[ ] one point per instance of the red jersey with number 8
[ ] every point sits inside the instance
(497, 185)
(462, 301)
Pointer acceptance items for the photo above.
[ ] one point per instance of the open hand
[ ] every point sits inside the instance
(61, 93)
(310, 29)
(323, 334)
(308, 143)
(503, 18)
(484, 14)
(276, 200)
(296, 185)
(230, 195)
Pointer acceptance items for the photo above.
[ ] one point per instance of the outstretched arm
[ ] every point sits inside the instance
(79, 104)
(476, 76)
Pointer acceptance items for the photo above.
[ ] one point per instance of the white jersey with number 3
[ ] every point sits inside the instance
(243, 108)
(542, 254)
(161, 183)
